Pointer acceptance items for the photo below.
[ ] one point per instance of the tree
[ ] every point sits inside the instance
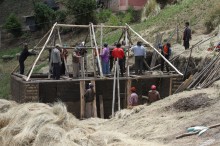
(44, 15)
(83, 10)
(13, 26)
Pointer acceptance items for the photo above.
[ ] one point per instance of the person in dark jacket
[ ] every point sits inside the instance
(23, 56)
(153, 94)
(186, 36)
(89, 98)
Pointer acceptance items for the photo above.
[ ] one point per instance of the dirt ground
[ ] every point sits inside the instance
(160, 122)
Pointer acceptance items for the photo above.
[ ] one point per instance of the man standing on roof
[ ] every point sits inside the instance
(23, 56)
(186, 36)
(118, 53)
(140, 55)
(76, 60)
(166, 52)
(153, 94)
(56, 61)
(105, 59)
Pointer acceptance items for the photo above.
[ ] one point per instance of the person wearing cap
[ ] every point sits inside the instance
(75, 61)
(133, 98)
(56, 61)
(23, 56)
(118, 53)
(89, 98)
(153, 94)
(105, 59)
(140, 55)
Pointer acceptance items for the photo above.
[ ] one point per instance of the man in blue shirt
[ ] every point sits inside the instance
(140, 54)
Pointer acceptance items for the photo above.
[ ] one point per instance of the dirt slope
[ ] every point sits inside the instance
(162, 121)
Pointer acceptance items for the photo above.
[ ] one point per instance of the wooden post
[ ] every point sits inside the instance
(101, 106)
(101, 38)
(93, 57)
(64, 60)
(119, 97)
(128, 90)
(41, 52)
(94, 101)
(97, 51)
(171, 85)
(82, 100)
(113, 100)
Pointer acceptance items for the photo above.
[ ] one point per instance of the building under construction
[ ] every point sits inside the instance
(41, 88)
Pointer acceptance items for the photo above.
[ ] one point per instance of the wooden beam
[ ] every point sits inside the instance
(171, 85)
(101, 106)
(87, 26)
(128, 90)
(94, 101)
(82, 100)
(41, 52)
(96, 48)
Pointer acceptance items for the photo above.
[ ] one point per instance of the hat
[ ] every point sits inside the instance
(133, 89)
(91, 85)
(153, 87)
(58, 45)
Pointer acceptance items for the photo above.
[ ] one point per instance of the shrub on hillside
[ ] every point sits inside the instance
(83, 10)
(113, 20)
(151, 8)
(60, 16)
(13, 26)
(213, 20)
(44, 15)
(104, 15)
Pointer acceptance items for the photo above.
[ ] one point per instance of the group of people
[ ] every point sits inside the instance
(153, 95)
(58, 57)
(107, 56)
(89, 96)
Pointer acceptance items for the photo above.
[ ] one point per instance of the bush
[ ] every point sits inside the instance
(104, 15)
(151, 8)
(13, 26)
(213, 20)
(83, 10)
(44, 15)
(113, 20)
(60, 16)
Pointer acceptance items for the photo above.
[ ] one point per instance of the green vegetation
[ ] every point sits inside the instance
(44, 15)
(104, 15)
(213, 20)
(83, 10)
(38, 67)
(13, 26)
(150, 7)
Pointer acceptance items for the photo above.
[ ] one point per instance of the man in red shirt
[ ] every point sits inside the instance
(119, 53)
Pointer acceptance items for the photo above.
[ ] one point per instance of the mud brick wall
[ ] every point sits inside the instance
(22, 91)
(31, 92)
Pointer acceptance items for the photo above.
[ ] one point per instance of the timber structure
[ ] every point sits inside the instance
(39, 87)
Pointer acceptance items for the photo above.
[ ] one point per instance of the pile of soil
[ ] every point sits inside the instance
(200, 100)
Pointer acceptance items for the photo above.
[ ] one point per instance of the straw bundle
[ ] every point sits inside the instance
(36, 124)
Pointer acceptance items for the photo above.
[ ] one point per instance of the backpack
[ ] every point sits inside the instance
(167, 50)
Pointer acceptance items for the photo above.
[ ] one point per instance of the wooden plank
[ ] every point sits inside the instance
(128, 90)
(101, 106)
(87, 26)
(82, 100)
(94, 101)
(171, 84)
